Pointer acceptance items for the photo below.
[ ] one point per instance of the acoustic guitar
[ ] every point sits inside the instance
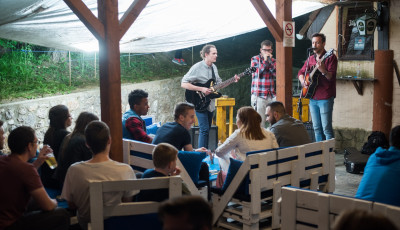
(311, 79)
(201, 101)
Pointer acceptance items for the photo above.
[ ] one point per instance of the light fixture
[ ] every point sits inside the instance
(366, 24)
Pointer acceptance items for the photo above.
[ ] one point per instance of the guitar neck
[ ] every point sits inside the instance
(227, 82)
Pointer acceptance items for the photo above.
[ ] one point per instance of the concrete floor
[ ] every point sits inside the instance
(346, 183)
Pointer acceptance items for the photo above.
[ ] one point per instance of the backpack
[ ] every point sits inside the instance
(375, 140)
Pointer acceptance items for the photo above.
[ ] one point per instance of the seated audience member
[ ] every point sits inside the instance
(379, 181)
(164, 160)
(2, 138)
(177, 133)
(99, 168)
(74, 147)
(60, 120)
(133, 126)
(355, 219)
(20, 182)
(249, 136)
(288, 130)
(186, 213)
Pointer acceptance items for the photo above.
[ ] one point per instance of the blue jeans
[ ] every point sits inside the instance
(321, 114)
(205, 120)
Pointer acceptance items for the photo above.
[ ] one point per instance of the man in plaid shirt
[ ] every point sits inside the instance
(133, 126)
(262, 85)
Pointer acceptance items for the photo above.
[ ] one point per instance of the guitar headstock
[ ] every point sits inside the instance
(328, 53)
(250, 70)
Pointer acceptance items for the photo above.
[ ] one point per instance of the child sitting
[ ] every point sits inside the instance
(164, 160)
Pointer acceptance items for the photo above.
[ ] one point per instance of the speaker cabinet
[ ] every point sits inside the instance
(212, 137)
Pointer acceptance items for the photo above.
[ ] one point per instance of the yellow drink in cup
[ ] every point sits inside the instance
(51, 161)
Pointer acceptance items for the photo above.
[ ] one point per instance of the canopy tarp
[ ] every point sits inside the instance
(164, 25)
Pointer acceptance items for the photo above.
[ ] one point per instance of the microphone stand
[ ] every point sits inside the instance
(299, 103)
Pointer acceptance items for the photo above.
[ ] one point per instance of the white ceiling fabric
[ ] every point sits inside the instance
(164, 25)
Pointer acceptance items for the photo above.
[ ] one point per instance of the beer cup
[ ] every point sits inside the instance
(51, 161)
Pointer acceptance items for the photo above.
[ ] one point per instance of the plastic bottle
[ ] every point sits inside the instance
(358, 71)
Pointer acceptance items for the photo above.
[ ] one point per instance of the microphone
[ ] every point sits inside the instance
(311, 48)
(269, 59)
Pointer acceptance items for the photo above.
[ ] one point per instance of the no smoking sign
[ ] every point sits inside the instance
(288, 34)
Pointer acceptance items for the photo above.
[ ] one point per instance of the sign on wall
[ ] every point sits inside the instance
(288, 34)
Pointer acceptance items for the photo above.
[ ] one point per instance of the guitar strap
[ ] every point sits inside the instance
(213, 74)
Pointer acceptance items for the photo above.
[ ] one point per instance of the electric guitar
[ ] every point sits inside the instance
(201, 101)
(311, 79)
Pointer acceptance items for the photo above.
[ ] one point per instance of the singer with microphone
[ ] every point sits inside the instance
(322, 86)
(262, 85)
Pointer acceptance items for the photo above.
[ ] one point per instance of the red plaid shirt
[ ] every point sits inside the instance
(135, 127)
(263, 84)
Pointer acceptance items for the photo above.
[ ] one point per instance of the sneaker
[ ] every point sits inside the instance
(182, 61)
(176, 61)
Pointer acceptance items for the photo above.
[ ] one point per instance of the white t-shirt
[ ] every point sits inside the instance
(242, 145)
(76, 184)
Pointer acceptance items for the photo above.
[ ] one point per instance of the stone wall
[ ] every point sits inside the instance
(348, 137)
(163, 95)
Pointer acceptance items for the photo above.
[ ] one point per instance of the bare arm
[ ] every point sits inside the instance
(301, 79)
(43, 200)
(42, 156)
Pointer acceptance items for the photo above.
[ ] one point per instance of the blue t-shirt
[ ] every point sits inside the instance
(173, 133)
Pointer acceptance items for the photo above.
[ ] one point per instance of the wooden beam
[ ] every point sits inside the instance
(110, 75)
(131, 15)
(87, 17)
(284, 58)
(269, 20)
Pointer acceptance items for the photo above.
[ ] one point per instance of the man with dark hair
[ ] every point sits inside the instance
(186, 213)
(133, 126)
(20, 182)
(2, 137)
(177, 133)
(321, 102)
(380, 180)
(288, 131)
(99, 168)
(262, 84)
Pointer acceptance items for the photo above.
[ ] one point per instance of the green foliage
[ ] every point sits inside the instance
(26, 73)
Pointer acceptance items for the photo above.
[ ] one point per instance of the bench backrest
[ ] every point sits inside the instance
(97, 189)
(302, 208)
(310, 166)
(139, 156)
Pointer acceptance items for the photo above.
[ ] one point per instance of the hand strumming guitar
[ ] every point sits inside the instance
(206, 90)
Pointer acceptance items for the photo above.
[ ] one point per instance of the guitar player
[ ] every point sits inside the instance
(201, 72)
(321, 102)
(262, 83)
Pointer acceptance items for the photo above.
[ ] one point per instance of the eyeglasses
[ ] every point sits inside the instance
(267, 50)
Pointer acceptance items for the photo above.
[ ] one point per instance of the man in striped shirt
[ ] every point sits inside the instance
(262, 85)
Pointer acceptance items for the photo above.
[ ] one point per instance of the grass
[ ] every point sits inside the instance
(28, 71)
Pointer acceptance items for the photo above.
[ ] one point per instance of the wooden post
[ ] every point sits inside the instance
(95, 65)
(383, 91)
(109, 31)
(284, 58)
(69, 65)
(110, 75)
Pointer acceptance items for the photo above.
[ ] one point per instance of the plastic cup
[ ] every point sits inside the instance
(51, 161)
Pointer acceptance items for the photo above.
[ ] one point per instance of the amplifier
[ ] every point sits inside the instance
(310, 130)
(212, 137)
